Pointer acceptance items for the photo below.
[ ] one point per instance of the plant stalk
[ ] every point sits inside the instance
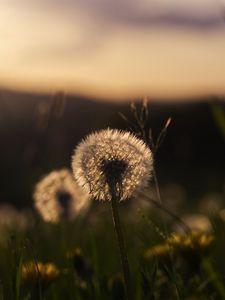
(121, 243)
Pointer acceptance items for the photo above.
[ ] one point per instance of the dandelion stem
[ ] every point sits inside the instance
(121, 243)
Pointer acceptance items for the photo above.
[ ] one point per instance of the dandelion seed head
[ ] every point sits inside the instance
(11, 218)
(211, 203)
(112, 158)
(58, 197)
(12, 221)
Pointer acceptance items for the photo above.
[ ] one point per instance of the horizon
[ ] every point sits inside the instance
(60, 94)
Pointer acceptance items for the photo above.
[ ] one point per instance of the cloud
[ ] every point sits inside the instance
(116, 47)
(201, 13)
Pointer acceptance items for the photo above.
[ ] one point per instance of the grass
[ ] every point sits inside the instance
(84, 258)
(93, 272)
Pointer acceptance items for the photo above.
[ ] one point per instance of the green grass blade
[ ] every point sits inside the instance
(18, 276)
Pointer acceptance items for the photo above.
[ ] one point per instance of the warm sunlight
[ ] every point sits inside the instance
(178, 51)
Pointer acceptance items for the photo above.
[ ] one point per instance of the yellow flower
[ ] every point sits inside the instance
(159, 251)
(180, 244)
(34, 273)
(195, 240)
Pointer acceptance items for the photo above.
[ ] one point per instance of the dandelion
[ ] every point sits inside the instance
(194, 243)
(39, 273)
(112, 165)
(112, 158)
(222, 215)
(58, 197)
(10, 217)
(183, 254)
(211, 204)
(12, 221)
(160, 252)
(195, 222)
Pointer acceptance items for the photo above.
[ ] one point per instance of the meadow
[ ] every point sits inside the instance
(175, 247)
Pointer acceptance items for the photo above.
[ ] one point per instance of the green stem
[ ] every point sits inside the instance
(121, 243)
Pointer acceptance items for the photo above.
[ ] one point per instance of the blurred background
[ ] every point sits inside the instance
(69, 67)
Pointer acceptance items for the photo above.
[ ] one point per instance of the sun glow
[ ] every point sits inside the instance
(47, 51)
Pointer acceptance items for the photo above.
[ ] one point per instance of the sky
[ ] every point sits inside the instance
(114, 48)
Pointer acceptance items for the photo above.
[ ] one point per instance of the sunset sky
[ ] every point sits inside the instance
(114, 48)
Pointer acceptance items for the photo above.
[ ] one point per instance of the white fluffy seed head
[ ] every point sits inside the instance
(58, 197)
(112, 158)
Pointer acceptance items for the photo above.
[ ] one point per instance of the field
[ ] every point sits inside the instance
(175, 245)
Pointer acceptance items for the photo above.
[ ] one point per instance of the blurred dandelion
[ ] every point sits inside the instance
(112, 159)
(196, 222)
(160, 252)
(58, 197)
(222, 215)
(186, 254)
(112, 165)
(33, 273)
(10, 217)
(11, 221)
(196, 242)
(211, 203)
